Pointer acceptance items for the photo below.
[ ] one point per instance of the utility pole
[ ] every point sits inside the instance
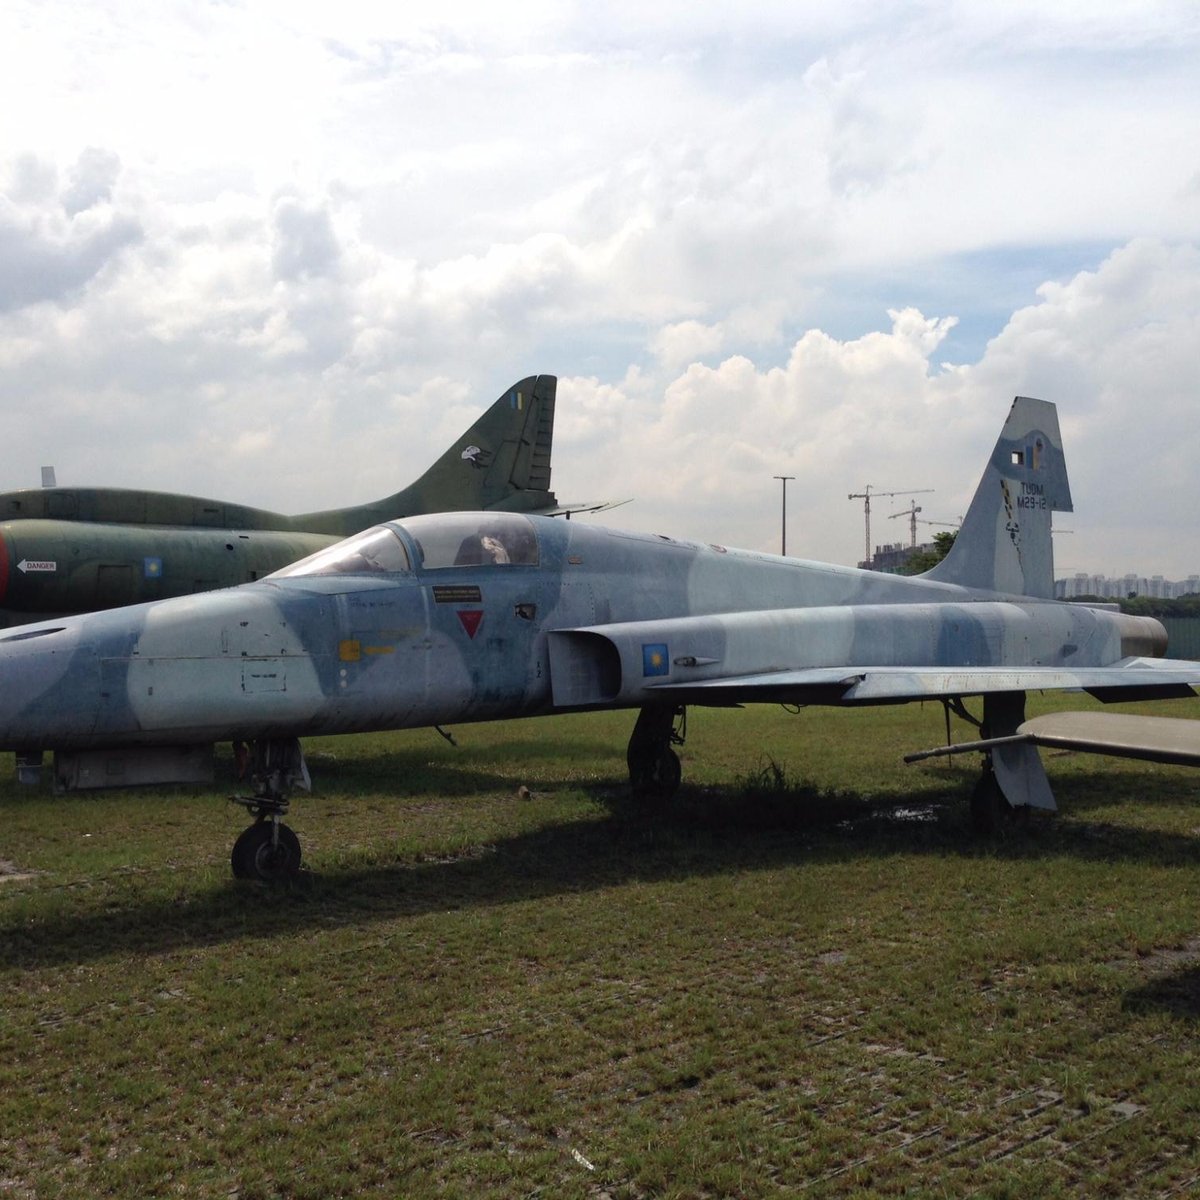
(784, 480)
(865, 497)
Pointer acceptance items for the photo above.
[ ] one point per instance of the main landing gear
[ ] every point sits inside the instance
(992, 811)
(1013, 781)
(268, 850)
(654, 770)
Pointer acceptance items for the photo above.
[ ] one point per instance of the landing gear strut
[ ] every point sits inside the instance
(991, 811)
(654, 770)
(268, 850)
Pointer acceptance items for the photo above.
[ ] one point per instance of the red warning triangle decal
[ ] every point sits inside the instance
(470, 619)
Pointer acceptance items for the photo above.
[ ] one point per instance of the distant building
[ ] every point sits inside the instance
(891, 559)
(1155, 586)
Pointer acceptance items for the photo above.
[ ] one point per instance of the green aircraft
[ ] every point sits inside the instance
(70, 550)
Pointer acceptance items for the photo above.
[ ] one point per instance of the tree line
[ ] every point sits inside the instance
(1148, 606)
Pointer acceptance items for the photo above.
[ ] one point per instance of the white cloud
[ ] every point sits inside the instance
(1117, 349)
(91, 180)
(304, 245)
(283, 253)
(52, 246)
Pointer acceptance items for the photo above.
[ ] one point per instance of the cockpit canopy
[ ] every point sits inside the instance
(441, 540)
(473, 540)
(377, 551)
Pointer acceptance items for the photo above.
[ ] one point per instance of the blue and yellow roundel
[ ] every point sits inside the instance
(655, 660)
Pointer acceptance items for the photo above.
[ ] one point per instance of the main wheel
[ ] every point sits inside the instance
(991, 813)
(655, 774)
(256, 855)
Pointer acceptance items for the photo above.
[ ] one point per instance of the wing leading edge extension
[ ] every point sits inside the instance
(865, 654)
(1130, 679)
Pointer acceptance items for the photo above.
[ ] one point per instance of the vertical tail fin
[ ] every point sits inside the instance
(1004, 544)
(501, 461)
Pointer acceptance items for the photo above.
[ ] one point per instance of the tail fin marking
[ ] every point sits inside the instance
(501, 461)
(1005, 542)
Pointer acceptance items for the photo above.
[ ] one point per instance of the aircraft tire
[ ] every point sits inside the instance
(991, 813)
(254, 856)
(656, 775)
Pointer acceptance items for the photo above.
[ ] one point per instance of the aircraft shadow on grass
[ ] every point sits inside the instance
(435, 771)
(1176, 994)
(1098, 788)
(688, 838)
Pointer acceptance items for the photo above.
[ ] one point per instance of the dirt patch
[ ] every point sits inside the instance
(11, 873)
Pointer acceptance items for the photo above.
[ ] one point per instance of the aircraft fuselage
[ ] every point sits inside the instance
(580, 617)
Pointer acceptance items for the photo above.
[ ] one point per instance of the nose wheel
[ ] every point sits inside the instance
(268, 850)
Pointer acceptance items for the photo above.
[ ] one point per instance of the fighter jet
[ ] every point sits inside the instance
(71, 550)
(475, 616)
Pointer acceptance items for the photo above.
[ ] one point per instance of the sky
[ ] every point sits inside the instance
(284, 253)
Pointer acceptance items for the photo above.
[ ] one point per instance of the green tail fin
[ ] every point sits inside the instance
(501, 461)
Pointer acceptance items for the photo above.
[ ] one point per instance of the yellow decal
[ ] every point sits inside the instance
(350, 650)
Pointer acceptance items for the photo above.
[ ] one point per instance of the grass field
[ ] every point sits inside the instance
(826, 988)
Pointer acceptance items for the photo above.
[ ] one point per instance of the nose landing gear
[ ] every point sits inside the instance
(268, 850)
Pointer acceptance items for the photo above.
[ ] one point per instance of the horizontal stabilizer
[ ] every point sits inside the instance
(1121, 735)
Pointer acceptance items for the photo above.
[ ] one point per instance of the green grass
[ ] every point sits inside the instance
(805, 976)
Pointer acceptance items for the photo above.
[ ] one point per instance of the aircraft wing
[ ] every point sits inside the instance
(1128, 679)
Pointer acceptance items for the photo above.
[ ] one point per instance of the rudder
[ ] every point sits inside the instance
(501, 461)
(1005, 542)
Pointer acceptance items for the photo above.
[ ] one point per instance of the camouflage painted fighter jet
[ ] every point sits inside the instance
(71, 550)
(477, 616)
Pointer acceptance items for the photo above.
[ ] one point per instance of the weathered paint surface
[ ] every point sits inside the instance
(473, 616)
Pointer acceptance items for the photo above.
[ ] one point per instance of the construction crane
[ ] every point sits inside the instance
(911, 513)
(906, 512)
(865, 497)
(945, 524)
